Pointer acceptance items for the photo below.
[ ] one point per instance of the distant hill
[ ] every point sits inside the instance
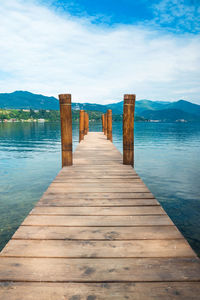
(26, 100)
(153, 110)
(185, 106)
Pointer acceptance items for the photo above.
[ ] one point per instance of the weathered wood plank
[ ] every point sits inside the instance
(97, 220)
(115, 211)
(97, 189)
(92, 180)
(64, 202)
(92, 249)
(97, 184)
(97, 233)
(101, 195)
(98, 270)
(100, 291)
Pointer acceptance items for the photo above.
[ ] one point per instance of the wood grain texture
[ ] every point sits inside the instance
(101, 291)
(66, 129)
(97, 233)
(99, 211)
(157, 220)
(85, 202)
(99, 270)
(107, 249)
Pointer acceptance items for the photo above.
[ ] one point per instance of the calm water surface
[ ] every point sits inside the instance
(167, 157)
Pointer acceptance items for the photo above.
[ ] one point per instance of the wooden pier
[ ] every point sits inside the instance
(98, 233)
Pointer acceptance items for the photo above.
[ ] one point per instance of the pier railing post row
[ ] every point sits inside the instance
(81, 125)
(105, 124)
(128, 129)
(66, 129)
(102, 119)
(109, 125)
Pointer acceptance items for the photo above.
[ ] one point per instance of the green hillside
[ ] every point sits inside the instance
(153, 110)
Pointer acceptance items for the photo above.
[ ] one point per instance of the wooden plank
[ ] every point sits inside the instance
(101, 195)
(102, 249)
(97, 233)
(99, 167)
(83, 189)
(100, 291)
(98, 270)
(75, 180)
(97, 220)
(110, 211)
(64, 202)
(100, 184)
(97, 176)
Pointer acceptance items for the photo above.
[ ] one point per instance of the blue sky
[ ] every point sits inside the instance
(174, 15)
(99, 50)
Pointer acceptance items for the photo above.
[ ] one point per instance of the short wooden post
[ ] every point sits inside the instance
(81, 125)
(102, 119)
(109, 124)
(66, 129)
(85, 123)
(128, 127)
(105, 124)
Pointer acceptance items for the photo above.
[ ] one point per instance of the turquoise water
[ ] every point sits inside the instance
(167, 157)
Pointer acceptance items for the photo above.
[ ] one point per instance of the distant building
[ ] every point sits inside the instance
(27, 110)
(41, 120)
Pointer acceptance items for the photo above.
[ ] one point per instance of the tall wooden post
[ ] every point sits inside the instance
(102, 119)
(128, 127)
(66, 129)
(85, 123)
(105, 124)
(109, 124)
(81, 125)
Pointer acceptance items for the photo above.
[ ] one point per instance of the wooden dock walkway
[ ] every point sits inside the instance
(98, 233)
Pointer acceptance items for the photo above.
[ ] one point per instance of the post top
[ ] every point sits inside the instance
(109, 111)
(81, 110)
(129, 98)
(65, 98)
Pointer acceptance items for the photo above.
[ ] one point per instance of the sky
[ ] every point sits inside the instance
(99, 50)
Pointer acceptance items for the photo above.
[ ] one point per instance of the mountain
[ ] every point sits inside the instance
(26, 100)
(185, 106)
(144, 104)
(153, 110)
(170, 115)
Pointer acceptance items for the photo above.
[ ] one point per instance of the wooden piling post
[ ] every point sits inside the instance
(109, 124)
(102, 119)
(128, 127)
(105, 124)
(66, 129)
(85, 123)
(81, 125)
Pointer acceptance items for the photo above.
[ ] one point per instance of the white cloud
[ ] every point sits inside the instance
(44, 52)
(179, 15)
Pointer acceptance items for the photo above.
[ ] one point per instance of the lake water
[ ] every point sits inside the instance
(167, 157)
